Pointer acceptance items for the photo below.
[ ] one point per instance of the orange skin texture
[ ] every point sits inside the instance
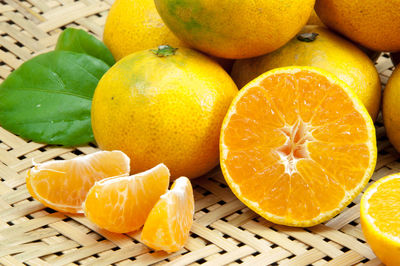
(391, 109)
(329, 52)
(235, 29)
(163, 110)
(374, 24)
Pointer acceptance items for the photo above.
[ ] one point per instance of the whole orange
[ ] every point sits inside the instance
(374, 24)
(163, 106)
(391, 108)
(134, 25)
(235, 29)
(379, 217)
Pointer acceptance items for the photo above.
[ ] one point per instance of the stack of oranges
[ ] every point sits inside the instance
(296, 144)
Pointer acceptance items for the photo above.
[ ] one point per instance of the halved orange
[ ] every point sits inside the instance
(63, 185)
(380, 219)
(297, 146)
(168, 224)
(122, 204)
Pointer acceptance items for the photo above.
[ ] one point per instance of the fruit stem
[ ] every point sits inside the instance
(164, 51)
(307, 37)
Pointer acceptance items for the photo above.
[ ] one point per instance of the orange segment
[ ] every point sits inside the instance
(121, 204)
(297, 146)
(335, 104)
(320, 184)
(257, 107)
(380, 220)
(288, 110)
(168, 224)
(310, 99)
(63, 185)
(302, 202)
(343, 130)
(251, 161)
(339, 162)
(274, 196)
(251, 134)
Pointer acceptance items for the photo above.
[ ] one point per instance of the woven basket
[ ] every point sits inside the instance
(224, 230)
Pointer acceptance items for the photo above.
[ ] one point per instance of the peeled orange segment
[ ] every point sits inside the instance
(297, 146)
(168, 224)
(63, 185)
(380, 220)
(122, 204)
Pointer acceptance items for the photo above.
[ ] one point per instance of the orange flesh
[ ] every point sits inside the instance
(63, 185)
(290, 145)
(168, 224)
(122, 204)
(384, 207)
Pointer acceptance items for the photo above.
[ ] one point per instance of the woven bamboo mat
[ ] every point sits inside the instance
(224, 231)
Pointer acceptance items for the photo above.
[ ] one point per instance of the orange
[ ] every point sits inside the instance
(325, 50)
(235, 29)
(63, 185)
(380, 208)
(391, 108)
(121, 204)
(297, 146)
(163, 109)
(168, 224)
(374, 24)
(134, 25)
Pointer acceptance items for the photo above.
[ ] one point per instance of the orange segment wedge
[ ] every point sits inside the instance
(380, 219)
(122, 204)
(63, 185)
(297, 146)
(168, 224)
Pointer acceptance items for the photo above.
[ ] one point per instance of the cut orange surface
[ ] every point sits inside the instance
(122, 204)
(168, 224)
(297, 146)
(63, 185)
(380, 220)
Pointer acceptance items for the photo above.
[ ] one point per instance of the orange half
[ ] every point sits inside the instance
(63, 185)
(297, 146)
(168, 224)
(380, 219)
(122, 204)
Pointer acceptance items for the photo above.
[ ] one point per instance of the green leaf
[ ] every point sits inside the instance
(79, 41)
(48, 98)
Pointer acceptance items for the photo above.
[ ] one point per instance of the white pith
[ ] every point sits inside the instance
(295, 149)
